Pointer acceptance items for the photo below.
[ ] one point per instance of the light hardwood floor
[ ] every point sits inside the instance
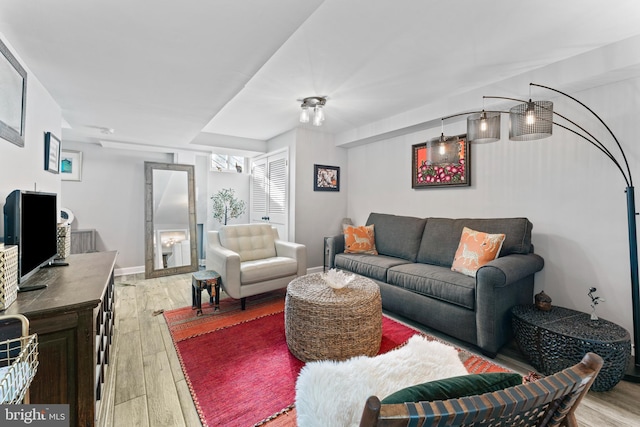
(148, 387)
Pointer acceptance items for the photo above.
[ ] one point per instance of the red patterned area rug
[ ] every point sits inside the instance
(239, 369)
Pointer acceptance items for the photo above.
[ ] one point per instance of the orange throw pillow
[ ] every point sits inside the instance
(475, 250)
(359, 240)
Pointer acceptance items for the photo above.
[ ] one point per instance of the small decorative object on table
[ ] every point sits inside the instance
(337, 279)
(594, 302)
(543, 301)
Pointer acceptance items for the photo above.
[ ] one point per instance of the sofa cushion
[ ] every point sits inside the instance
(371, 266)
(435, 282)
(398, 236)
(455, 387)
(475, 250)
(359, 240)
(250, 241)
(442, 235)
(264, 269)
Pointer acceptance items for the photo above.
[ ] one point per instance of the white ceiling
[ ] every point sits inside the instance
(193, 72)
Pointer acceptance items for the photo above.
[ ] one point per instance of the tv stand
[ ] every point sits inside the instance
(55, 264)
(74, 318)
(27, 288)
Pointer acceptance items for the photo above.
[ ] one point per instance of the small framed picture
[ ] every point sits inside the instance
(326, 178)
(71, 165)
(51, 153)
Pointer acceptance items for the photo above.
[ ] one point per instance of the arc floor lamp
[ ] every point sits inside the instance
(532, 120)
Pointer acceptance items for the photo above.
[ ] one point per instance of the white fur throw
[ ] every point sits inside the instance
(330, 393)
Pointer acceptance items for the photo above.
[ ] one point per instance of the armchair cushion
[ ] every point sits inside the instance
(455, 387)
(250, 242)
(266, 269)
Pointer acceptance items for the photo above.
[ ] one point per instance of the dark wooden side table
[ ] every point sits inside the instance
(557, 339)
(203, 280)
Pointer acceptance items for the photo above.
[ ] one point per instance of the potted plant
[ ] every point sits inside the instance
(226, 206)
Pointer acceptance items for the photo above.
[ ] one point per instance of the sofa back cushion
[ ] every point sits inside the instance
(397, 236)
(442, 236)
(250, 241)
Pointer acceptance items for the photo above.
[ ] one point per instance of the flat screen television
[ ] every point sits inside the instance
(31, 223)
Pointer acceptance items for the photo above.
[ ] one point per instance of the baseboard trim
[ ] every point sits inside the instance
(128, 270)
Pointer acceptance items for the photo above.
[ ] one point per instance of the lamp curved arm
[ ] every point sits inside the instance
(472, 112)
(596, 144)
(593, 141)
(627, 176)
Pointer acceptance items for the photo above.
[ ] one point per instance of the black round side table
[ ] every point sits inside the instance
(557, 339)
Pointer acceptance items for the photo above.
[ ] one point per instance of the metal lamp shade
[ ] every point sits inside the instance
(483, 127)
(531, 120)
(442, 139)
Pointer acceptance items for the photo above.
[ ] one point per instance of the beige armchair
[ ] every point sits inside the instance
(251, 259)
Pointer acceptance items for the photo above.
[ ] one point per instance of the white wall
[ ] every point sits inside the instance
(572, 193)
(110, 199)
(312, 214)
(318, 213)
(22, 168)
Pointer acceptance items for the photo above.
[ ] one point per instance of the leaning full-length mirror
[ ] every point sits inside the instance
(170, 219)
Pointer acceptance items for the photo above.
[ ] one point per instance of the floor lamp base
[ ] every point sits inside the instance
(633, 372)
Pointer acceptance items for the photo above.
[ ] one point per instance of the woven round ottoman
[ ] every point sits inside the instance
(322, 323)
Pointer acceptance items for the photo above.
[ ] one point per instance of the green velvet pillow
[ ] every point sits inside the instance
(455, 387)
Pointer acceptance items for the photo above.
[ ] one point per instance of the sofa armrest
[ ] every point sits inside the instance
(226, 263)
(509, 269)
(293, 250)
(333, 245)
(501, 284)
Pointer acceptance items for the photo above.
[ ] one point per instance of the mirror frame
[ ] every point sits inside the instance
(15, 136)
(150, 271)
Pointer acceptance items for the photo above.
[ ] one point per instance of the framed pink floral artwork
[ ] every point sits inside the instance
(441, 162)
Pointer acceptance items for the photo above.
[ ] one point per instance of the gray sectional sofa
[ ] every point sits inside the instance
(413, 269)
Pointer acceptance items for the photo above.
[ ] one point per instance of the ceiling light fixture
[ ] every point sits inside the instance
(316, 104)
(103, 129)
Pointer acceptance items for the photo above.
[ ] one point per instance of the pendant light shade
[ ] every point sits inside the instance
(318, 116)
(483, 127)
(304, 114)
(442, 142)
(531, 120)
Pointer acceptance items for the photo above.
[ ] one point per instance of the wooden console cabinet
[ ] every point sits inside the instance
(74, 318)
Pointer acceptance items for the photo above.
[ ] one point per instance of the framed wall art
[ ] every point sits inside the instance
(438, 163)
(13, 92)
(71, 165)
(326, 178)
(51, 153)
